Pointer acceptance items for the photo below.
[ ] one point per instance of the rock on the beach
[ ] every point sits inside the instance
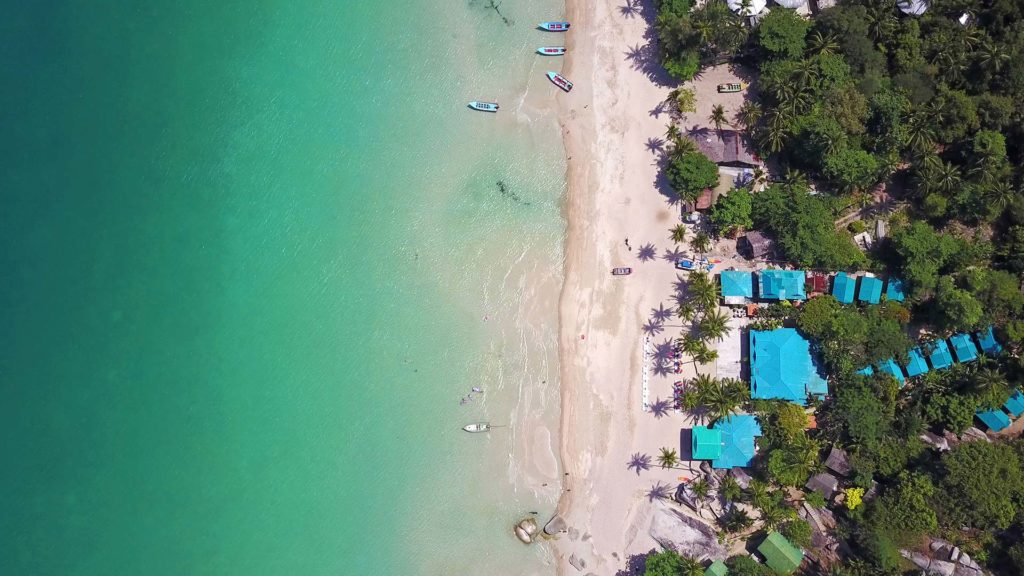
(554, 526)
(577, 562)
(522, 535)
(525, 530)
(686, 535)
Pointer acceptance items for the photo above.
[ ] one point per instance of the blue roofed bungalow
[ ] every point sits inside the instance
(917, 364)
(730, 444)
(894, 290)
(964, 348)
(781, 367)
(843, 287)
(866, 371)
(737, 286)
(870, 290)
(782, 285)
(996, 420)
(989, 344)
(891, 367)
(1015, 404)
(940, 356)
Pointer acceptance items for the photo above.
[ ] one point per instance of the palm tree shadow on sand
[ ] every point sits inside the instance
(646, 57)
(646, 253)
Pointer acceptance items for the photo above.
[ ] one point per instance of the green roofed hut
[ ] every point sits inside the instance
(989, 344)
(964, 348)
(870, 290)
(781, 367)
(717, 568)
(940, 356)
(917, 364)
(779, 554)
(782, 285)
(996, 420)
(844, 287)
(1015, 404)
(706, 443)
(894, 290)
(737, 286)
(891, 367)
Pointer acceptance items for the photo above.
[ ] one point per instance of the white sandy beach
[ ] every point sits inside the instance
(613, 195)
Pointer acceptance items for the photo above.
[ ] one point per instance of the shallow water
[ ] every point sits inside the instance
(253, 255)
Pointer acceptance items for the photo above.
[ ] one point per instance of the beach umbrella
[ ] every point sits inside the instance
(913, 7)
(747, 7)
(791, 3)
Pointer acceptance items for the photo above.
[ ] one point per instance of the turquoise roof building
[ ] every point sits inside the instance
(917, 364)
(781, 367)
(964, 348)
(739, 434)
(891, 367)
(844, 287)
(866, 371)
(989, 344)
(782, 285)
(996, 420)
(737, 284)
(940, 356)
(1015, 404)
(894, 290)
(870, 290)
(706, 443)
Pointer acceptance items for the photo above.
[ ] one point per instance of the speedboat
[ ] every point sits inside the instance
(560, 81)
(477, 427)
(555, 26)
(484, 106)
(551, 50)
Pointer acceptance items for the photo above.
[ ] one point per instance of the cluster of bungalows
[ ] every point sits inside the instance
(940, 355)
(741, 287)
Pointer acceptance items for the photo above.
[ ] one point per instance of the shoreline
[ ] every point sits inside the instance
(612, 195)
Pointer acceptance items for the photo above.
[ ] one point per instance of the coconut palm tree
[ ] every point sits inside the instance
(725, 398)
(639, 462)
(689, 566)
(668, 458)
(824, 44)
(678, 234)
(701, 243)
(672, 133)
(772, 515)
(794, 179)
(681, 147)
(920, 135)
(701, 488)
(714, 326)
(718, 117)
(992, 56)
(749, 114)
(730, 489)
(737, 521)
(758, 493)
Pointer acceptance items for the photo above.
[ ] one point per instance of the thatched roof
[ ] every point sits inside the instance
(725, 146)
(756, 244)
(824, 483)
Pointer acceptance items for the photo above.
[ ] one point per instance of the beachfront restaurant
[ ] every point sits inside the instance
(781, 367)
(782, 285)
(843, 287)
(730, 443)
(737, 286)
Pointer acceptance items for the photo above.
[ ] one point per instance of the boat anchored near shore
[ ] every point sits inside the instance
(478, 427)
(560, 81)
(551, 50)
(484, 106)
(554, 26)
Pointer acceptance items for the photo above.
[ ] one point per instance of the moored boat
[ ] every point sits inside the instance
(484, 106)
(625, 271)
(560, 81)
(730, 87)
(551, 50)
(477, 427)
(554, 26)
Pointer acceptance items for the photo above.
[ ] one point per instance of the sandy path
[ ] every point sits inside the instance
(607, 119)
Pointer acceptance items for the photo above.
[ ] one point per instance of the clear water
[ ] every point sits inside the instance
(252, 254)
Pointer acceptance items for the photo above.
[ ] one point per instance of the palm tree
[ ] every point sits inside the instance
(681, 147)
(947, 177)
(738, 521)
(920, 135)
(730, 489)
(668, 458)
(718, 116)
(823, 44)
(672, 133)
(772, 515)
(705, 355)
(749, 114)
(678, 234)
(758, 494)
(701, 243)
(725, 398)
(702, 289)
(701, 488)
(639, 462)
(794, 179)
(714, 326)
(689, 566)
(992, 56)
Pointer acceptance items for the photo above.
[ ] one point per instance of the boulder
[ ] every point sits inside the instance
(525, 530)
(554, 526)
(577, 562)
(684, 534)
(941, 568)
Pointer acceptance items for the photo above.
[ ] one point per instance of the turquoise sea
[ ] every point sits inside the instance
(252, 254)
